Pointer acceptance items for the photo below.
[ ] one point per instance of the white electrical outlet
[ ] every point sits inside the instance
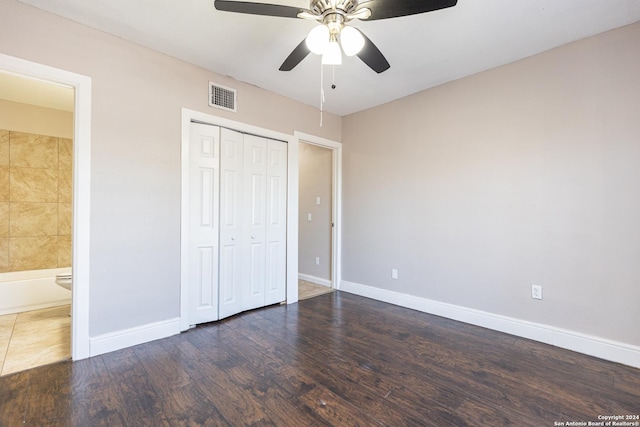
(309, 217)
(536, 291)
(317, 200)
(394, 273)
(317, 260)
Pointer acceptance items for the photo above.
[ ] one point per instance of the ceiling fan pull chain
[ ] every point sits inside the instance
(333, 80)
(321, 91)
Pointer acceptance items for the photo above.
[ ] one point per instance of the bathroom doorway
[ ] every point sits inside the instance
(49, 154)
(36, 159)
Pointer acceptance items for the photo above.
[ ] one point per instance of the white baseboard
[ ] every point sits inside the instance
(313, 279)
(129, 337)
(593, 346)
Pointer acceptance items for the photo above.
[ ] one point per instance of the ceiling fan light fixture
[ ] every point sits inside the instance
(333, 55)
(351, 40)
(318, 39)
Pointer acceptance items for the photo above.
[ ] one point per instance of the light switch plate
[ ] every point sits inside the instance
(536, 291)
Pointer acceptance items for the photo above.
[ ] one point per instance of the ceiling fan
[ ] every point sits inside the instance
(333, 32)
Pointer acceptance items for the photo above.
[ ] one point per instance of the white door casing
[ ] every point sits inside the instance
(204, 167)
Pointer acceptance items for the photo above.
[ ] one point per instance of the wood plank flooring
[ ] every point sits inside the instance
(333, 360)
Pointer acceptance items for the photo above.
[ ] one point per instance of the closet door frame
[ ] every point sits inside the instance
(189, 116)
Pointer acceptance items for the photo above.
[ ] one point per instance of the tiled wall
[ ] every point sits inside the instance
(35, 201)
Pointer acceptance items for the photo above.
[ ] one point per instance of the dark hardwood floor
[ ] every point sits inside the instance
(336, 359)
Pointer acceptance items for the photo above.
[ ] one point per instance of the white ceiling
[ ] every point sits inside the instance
(424, 50)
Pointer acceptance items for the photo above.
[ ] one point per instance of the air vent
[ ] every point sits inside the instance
(222, 97)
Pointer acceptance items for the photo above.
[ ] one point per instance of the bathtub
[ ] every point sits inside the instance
(32, 290)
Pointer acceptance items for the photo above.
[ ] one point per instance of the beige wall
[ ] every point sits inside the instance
(35, 201)
(525, 174)
(33, 119)
(315, 165)
(137, 96)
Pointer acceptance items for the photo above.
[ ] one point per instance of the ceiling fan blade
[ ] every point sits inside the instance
(371, 55)
(258, 8)
(299, 53)
(383, 9)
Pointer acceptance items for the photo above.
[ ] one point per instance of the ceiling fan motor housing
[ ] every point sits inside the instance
(335, 14)
(320, 7)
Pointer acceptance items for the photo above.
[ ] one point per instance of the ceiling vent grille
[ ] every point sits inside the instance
(222, 97)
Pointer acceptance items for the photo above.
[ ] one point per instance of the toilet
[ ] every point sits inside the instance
(64, 280)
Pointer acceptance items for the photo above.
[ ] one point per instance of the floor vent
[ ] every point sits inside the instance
(222, 97)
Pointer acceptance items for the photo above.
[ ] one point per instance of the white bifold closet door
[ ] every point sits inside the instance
(237, 222)
(253, 195)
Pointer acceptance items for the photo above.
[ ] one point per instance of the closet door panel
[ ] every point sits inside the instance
(204, 164)
(256, 279)
(230, 295)
(255, 170)
(233, 239)
(276, 222)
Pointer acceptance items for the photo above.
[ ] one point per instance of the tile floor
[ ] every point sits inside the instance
(34, 338)
(310, 290)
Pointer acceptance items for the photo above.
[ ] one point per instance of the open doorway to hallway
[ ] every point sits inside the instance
(315, 228)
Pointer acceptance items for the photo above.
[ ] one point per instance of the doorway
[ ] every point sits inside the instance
(319, 163)
(315, 220)
(80, 172)
(36, 140)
